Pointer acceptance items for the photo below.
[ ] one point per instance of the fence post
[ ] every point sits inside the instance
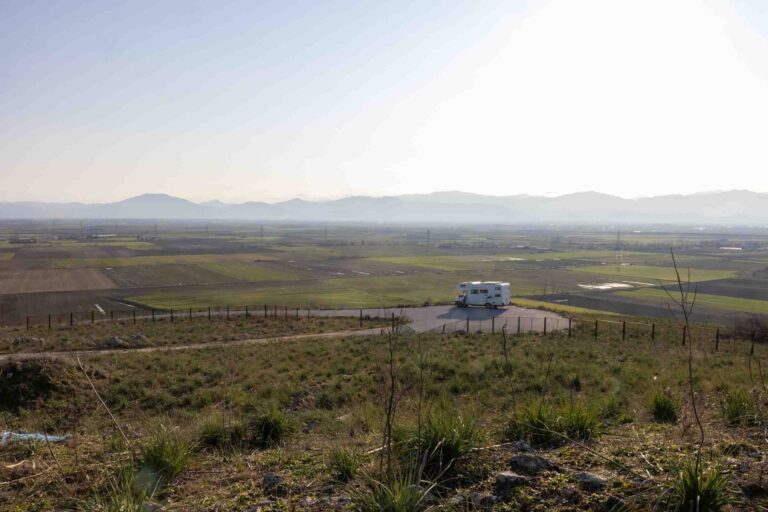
(361, 317)
(71, 319)
(717, 339)
(596, 330)
(297, 313)
(286, 312)
(153, 315)
(49, 322)
(393, 322)
(545, 325)
(493, 324)
(227, 313)
(134, 316)
(111, 314)
(171, 315)
(752, 347)
(467, 323)
(623, 330)
(209, 313)
(653, 332)
(570, 323)
(275, 311)
(685, 328)
(518, 324)
(27, 322)
(246, 311)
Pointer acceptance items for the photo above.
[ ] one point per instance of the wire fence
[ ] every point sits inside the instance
(600, 330)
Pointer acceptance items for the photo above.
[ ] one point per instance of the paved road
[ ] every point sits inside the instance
(433, 318)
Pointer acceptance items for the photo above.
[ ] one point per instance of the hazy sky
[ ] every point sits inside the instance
(275, 99)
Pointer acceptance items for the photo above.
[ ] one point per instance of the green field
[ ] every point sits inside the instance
(721, 302)
(654, 274)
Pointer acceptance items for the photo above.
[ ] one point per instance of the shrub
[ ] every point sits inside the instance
(270, 428)
(343, 465)
(699, 489)
(442, 439)
(739, 409)
(163, 458)
(663, 408)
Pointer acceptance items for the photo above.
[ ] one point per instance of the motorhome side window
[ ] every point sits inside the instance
(474, 291)
(483, 291)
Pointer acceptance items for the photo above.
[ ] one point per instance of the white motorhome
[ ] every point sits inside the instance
(490, 294)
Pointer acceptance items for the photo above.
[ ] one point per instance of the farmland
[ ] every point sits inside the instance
(179, 265)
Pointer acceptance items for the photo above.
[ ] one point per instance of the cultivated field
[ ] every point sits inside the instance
(182, 265)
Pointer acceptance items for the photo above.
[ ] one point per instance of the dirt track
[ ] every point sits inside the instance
(192, 346)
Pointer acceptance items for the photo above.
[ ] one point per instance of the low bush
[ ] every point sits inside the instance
(663, 408)
(540, 425)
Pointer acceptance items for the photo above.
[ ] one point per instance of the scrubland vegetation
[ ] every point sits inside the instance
(393, 422)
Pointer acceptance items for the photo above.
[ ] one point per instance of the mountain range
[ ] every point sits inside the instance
(730, 207)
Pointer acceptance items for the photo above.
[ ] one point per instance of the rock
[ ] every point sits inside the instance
(508, 480)
(475, 498)
(530, 464)
(754, 490)
(272, 482)
(522, 446)
(457, 500)
(614, 503)
(307, 501)
(26, 341)
(489, 501)
(261, 506)
(571, 493)
(115, 342)
(590, 481)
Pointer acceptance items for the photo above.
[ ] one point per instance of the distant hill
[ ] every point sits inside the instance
(732, 207)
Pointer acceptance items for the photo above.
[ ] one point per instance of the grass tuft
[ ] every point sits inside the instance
(343, 465)
(739, 409)
(270, 428)
(701, 490)
(663, 408)
(442, 440)
(164, 457)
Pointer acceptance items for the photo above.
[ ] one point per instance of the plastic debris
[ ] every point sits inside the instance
(7, 437)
